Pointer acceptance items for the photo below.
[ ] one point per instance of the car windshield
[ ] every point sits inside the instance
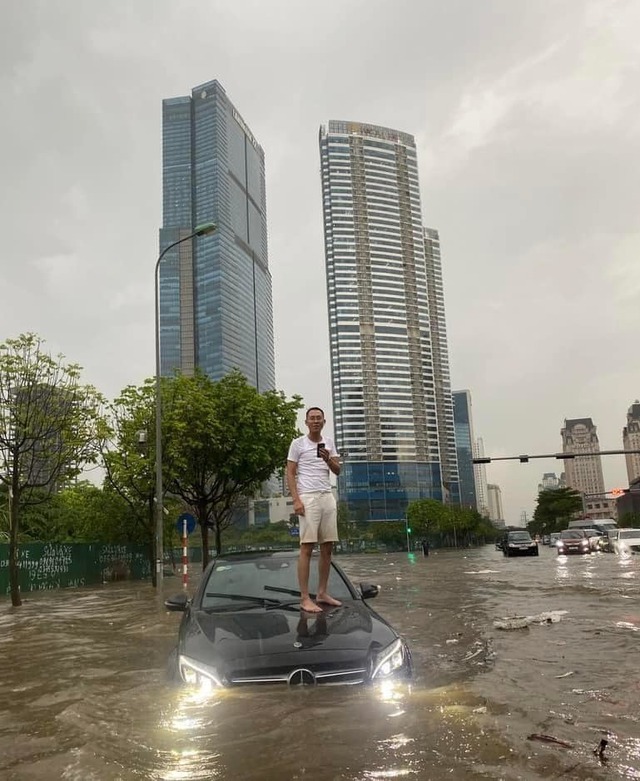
(519, 536)
(264, 581)
(628, 534)
(572, 534)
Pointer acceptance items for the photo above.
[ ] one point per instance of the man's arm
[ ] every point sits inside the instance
(292, 471)
(333, 462)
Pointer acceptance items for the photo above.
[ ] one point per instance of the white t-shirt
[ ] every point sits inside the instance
(313, 471)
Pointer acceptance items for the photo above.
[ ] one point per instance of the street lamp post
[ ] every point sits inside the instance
(201, 230)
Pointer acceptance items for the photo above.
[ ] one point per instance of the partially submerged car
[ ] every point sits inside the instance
(244, 626)
(519, 543)
(624, 541)
(573, 541)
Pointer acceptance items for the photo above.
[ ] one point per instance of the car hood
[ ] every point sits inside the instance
(261, 641)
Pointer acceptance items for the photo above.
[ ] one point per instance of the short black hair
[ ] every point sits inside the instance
(306, 414)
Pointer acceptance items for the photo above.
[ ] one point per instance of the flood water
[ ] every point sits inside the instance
(83, 695)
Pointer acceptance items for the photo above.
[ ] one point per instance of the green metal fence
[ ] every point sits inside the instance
(56, 565)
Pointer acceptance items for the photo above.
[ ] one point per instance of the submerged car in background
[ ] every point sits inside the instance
(624, 541)
(244, 626)
(573, 541)
(519, 543)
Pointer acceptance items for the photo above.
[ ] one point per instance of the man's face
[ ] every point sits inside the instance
(314, 421)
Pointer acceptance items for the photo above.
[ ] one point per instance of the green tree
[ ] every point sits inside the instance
(427, 517)
(223, 440)
(555, 508)
(391, 533)
(129, 460)
(50, 426)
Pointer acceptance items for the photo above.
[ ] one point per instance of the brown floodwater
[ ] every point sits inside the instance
(83, 695)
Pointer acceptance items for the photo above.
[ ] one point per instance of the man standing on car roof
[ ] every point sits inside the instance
(311, 459)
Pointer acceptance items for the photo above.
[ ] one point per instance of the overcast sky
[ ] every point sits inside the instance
(527, 119)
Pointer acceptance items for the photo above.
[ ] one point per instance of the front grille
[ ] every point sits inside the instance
(306, 676)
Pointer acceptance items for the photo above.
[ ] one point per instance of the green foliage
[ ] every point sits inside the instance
(631, 520)
(448, 524)
(391, 533)
(223, 440)
(50, 426)
(555, 508)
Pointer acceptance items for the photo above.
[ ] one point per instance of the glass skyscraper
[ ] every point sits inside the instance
(463, 420)
(384, 399)
(215, 291)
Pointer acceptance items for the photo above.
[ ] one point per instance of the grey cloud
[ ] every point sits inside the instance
(526, 114)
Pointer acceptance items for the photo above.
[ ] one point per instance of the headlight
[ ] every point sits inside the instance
(389, 660)
(198, 674)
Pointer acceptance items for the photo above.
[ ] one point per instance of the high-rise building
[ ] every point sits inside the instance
(480, 479)
(384, 399)
(463, 421)
(441, 375)
(551, 482)
(631, 441)
(494, 494)
(215, 291)
(584, 474)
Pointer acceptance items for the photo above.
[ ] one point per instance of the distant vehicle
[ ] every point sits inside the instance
(625, 541)
(594, 538)
(519, 543)
(573, 541)
(601, 524)
(244, 626)
(546, 539)
(554, 537)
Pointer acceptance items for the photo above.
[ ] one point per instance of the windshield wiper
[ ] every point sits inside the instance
(265, 601)
(291, 591)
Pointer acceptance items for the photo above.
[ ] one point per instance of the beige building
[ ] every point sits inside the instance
(480, 478)
(584, 474)
(631, 441)
(494, 497)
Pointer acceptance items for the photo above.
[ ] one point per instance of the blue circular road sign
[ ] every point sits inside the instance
(191, 523)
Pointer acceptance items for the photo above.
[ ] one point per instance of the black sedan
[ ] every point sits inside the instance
(244, 626)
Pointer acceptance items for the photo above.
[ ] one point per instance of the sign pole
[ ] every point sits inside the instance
(185, 553)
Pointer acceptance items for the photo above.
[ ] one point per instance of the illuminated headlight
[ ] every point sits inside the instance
(198, 674)
(585, 543)
(389, 660)
(560, 544)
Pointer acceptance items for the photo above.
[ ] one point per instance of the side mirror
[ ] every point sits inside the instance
(369, 590)
(177, 603)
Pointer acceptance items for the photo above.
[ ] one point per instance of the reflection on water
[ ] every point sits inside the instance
(83, 695)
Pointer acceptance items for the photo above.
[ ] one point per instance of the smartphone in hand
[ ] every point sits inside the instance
(320, 446)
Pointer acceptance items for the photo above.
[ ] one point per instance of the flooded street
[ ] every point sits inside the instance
(83, 695)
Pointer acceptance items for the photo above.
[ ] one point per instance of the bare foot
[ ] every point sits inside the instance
(309, 606)
(328, 600)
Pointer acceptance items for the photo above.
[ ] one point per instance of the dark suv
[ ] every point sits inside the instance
(519, 543)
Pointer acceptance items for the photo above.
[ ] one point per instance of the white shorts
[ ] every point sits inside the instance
(320, 520)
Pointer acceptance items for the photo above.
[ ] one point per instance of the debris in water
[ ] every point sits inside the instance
(566, 675)
(550, 739)
(521, 622)
(599, 752)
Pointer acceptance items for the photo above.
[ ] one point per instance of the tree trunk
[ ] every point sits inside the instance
(204, 530)
(152, 541)
(151, 548)
(218, 539)
(14, 568)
